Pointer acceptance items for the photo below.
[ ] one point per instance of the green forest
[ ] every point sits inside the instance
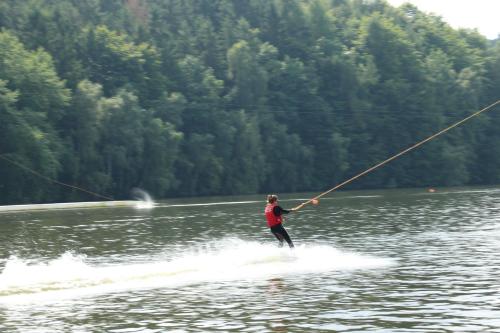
(224, 97)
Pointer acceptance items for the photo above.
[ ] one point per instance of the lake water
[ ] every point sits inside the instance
(378, 261)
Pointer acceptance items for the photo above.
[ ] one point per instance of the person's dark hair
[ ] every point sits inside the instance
(272, 198)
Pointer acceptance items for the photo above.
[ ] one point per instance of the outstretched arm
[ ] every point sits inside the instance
(279, 211)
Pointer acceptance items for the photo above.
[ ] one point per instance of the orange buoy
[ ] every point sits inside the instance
(315, 202)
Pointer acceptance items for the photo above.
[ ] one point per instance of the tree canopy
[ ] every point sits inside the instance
(204, 97)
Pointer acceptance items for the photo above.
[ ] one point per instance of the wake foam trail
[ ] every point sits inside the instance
(70, 276)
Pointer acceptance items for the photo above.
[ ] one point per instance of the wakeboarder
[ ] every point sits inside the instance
(274, 215)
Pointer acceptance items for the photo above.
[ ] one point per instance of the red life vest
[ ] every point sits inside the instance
(272, 219)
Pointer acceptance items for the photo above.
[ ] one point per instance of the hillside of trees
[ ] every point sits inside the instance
(221, 97)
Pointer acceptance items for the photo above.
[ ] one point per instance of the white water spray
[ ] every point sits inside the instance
(70, 276)
(145, 200)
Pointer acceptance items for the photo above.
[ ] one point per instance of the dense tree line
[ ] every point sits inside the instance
(206, 97)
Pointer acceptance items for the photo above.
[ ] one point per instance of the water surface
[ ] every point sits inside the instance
(379, 261)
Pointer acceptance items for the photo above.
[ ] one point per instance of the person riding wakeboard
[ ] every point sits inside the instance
(274, 219)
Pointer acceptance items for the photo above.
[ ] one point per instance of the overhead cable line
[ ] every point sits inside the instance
(376, 166)
(53, 180)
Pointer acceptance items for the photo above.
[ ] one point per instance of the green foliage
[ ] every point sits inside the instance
(32, 101)
(205, 97)
(115, 62)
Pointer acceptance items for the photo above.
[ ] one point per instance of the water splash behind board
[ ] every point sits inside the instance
(71, 276)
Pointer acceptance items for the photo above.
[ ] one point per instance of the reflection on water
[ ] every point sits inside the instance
(382, 261)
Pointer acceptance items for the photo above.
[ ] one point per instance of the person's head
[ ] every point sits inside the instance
(272, 198)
